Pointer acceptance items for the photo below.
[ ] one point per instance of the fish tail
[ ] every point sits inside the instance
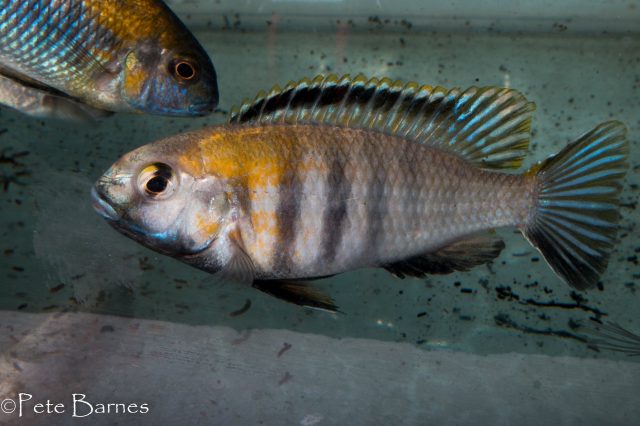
(573, 222)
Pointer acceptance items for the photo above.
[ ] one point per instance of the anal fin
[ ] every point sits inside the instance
(459, 256)
(298, 293)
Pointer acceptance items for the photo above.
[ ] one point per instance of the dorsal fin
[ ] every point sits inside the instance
(488, 126)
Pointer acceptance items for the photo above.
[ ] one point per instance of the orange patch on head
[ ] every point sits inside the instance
(207, 226)
(245, 154)
(135, 76)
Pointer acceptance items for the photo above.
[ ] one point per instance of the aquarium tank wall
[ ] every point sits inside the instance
(111, 332)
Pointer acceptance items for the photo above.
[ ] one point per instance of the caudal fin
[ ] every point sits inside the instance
(575, 220)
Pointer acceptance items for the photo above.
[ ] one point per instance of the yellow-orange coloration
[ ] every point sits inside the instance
(132, 19)
(136, 76)
(264, 222)
(207, 226)
(248, 155)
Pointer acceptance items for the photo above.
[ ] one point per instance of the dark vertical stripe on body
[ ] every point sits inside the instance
(336, 212)
(376, 204)
(411, 162)
(288, 215)
(243, 197)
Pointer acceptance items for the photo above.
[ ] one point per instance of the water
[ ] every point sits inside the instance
(57, 255)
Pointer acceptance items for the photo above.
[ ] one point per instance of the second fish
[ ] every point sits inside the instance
(111, 55)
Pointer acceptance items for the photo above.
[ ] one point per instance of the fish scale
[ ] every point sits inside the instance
(50, 37)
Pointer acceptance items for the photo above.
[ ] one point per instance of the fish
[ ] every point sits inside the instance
(111, 55)
(335, 174)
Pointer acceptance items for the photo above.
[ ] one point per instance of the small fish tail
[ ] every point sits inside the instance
(574, 220)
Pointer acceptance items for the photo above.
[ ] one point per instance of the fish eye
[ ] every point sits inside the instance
(156, 184)
(157, 181)
(183, 70)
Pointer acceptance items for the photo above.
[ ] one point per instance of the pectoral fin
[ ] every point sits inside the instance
(459, 256)
(297, 292)
(36, 102)
(238, 267)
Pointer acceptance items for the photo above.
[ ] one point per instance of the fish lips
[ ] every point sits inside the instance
(102, 206)
(203, 108)
(195, 109)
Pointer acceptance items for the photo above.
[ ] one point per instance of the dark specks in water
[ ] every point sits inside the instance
(287, 376)
(577, 297)
(562, 305)
(182, 306)
(559, 27)
(180, 283)
(505, 293)
(244, 336)
(107, 329)
(229, 25)
(144, 263)
(503, 320)
(13, 170)
(285, 348)
(56, 288)
(242, 310)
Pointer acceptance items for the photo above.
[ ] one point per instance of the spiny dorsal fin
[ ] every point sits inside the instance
(488, 126)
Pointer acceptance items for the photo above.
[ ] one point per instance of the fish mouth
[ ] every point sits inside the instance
(203, 108)
(102, 206)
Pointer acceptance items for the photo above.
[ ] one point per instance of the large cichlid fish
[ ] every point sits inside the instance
(330, 175)
(112, 55)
